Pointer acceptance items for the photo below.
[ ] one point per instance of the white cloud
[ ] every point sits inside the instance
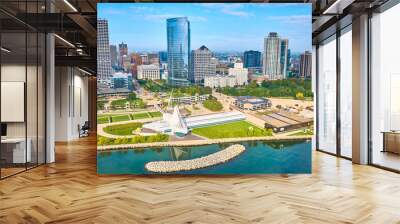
(233, 9)
(296, 19)
(163, 17)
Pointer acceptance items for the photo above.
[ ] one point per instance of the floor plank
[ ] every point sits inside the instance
(70, 191)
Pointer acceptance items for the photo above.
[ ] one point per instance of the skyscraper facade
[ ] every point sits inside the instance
(163, 55)
(201, 65)
(114, 55)
(275, 56)
(178, 47)
(272, 50)
(252, 59)
(123, 50)
(103, 52)
(284, 57)
(305, 65)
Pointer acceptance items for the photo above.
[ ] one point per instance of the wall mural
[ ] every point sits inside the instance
(201, 88)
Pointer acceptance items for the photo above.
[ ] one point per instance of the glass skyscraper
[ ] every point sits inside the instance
(252, 59)
(178, 46)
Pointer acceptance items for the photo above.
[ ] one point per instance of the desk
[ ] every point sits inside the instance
(391, 141)
(18, 149)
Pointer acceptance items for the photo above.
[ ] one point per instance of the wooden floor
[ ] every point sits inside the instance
(69, 191)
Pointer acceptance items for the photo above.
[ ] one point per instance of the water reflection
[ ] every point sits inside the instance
(180, 153)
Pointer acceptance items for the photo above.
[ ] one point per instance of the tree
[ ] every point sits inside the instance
(213, 105)
(300, 96)
(131, 97)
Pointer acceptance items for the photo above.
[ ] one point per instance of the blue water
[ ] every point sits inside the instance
(259, 158)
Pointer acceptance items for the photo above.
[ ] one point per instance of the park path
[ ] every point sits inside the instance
(100, 127)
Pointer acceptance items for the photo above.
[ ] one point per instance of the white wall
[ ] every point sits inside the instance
(71, 102)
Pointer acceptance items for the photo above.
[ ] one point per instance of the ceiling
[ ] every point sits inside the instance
(73, 21)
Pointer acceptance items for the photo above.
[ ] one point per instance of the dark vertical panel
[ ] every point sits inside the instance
(338, 73)
(316, 96)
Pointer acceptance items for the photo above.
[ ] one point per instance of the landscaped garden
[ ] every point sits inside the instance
(102, 119)
(119, 118)
(101, 140)
(122, 129)
(232, 130)
(213, 105)
(155, 114)
(140, 116)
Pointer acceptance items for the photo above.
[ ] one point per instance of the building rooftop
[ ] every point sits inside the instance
(251, 99)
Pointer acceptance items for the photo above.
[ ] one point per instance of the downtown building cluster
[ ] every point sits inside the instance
(181, 66)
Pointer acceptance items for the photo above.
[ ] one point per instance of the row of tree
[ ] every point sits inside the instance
(272, 88)
(162, 86)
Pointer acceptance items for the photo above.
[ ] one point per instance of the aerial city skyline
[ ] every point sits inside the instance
(181, 66)
(198, 74)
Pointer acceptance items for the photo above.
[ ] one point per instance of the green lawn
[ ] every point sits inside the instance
(155, 114)
(101, 140)
(102, 119)
(140, 116)
(231, 130)
(117, 118)
(122, 129)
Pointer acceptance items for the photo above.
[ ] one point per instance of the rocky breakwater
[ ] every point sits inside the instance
(198, 163)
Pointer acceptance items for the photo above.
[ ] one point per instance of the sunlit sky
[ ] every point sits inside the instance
(221, 27)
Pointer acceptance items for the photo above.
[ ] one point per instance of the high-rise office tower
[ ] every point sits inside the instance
(123, 50)
(272, 49)
(163, 55)
(103, 52)
(305, 65)
(284, 57)
(114, 55)
(252, 59)
(201, 65)
(275, 56)
(178, 47)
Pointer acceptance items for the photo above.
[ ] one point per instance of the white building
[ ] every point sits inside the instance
(190, 99)
(240, 73)
(151, 72)
(175, 124)
(220, 81)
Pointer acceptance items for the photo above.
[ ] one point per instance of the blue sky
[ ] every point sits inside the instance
(221, 27)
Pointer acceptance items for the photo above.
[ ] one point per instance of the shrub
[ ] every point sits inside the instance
(212, 105)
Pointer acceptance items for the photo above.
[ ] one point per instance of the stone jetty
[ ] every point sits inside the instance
(192, 164)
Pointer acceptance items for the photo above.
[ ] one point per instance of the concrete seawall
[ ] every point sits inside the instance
(198, 163)
(199, 142)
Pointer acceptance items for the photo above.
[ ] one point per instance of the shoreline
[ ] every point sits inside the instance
(198, 142)
(213, 159)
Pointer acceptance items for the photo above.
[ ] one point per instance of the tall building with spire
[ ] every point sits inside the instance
(123, 51)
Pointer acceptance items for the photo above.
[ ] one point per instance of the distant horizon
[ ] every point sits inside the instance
(223, 52)
(223, 28)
